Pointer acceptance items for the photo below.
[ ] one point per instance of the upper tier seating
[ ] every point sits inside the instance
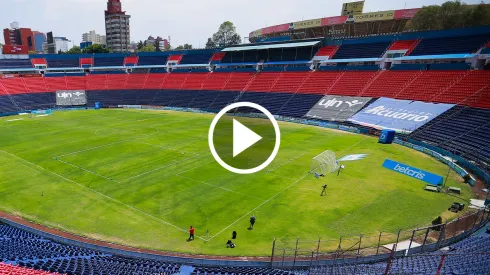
(196, 58)
(63, 62)
(101, 61)
(152, 60)
(86, 62)
(38, 61)
(217, 57)
(403, 45)
(450, 45)
(15, 63)
(327, 51)
(131, 61)
(361, 50)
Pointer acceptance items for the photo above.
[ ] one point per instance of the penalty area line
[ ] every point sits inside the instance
(100, 194)
(260, 205)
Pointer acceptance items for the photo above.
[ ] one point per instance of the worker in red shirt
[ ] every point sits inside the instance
(191, 233)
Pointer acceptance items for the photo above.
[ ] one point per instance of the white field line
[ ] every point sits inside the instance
(90, 149)
(132, 138)
(202, 164)
(64, 143)
(30, 168)
(165, 147)
(98, 193)
(219, 187)
(160, 168)
(88, 171)
(109, 144)
(260, 205)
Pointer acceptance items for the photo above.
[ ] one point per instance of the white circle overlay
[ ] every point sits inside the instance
(262, 110)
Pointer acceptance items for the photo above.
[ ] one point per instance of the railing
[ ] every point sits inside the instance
(375, 247)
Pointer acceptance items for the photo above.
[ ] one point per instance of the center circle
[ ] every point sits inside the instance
(215, 121)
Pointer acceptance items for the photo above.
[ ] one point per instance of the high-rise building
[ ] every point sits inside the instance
(39, 40)
(94, 38)
(57, 44)
(18, 38)
(117, 27)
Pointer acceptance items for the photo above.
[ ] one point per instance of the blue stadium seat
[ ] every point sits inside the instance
(361, 50)
(15, 63)
(450, 45)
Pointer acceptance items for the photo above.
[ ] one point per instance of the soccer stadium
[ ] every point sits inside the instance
(339, 145)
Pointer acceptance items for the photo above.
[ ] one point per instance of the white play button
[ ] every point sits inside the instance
(244, 148)
(243, 138)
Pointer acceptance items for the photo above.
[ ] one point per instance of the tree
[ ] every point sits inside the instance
(140, 45)
(147, 48)
(210, 44)
(187, 47)
(96, 48)
(168, 47)
(226, 35)
(179, 48)
(451, 14)
(75, 50)
(157, 46)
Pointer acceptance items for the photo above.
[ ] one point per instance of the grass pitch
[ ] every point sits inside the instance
(120, 176)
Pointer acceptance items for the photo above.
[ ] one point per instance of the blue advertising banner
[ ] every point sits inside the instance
(413, 172)
(399, 115)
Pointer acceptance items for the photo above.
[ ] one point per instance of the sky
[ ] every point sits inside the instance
(188, 21)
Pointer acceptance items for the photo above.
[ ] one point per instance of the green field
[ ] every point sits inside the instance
(120, 176)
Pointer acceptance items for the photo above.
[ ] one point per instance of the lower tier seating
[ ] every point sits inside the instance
(23, 253)
(462, 131)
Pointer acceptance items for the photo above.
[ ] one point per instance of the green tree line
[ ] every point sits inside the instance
(450, 15)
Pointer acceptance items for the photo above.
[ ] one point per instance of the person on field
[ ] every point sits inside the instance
(191, 233)
(233, 235)
(230, 244)
(324, 190)
(340, 170)
(252, 222)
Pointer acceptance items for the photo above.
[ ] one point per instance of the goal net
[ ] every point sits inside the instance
(323, 164)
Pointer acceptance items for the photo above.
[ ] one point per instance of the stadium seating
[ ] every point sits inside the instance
(39, 62)
(25, 253)
(131, 61)
(463, 131)
(202, 58)
(63, 62)
(217, 57)
(177, 58)
(327, 51)
(450, 45)
(408, 45)
(152, 60)
(15, 63)
(103, 61)
(348, 51)
(86, 62)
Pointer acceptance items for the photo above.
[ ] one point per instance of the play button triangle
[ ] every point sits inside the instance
(243, 138)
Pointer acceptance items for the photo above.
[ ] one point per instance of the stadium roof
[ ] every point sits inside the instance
(271, 46)
(404, 14)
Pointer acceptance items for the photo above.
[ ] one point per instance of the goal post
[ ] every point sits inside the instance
(323, 164)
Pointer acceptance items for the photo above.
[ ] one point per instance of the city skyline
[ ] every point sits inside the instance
(72, 18)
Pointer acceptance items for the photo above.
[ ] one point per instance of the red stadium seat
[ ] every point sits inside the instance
(327, 51)
(408, 45)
